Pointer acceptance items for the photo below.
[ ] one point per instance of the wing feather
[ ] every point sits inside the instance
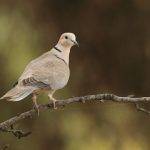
(31, 81)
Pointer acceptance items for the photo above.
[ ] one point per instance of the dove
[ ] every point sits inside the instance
(47, 73)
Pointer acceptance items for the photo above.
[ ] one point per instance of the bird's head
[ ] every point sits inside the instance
(68, 40)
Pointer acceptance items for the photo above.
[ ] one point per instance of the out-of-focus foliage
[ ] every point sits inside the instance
(114, 56)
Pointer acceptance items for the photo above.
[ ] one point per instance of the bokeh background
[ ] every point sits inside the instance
(114, 57)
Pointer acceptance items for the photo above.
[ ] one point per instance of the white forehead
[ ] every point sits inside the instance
(69, 35)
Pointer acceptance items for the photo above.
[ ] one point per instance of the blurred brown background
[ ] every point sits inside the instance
(114, 57)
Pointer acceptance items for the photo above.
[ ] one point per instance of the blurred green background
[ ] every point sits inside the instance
(114, 57)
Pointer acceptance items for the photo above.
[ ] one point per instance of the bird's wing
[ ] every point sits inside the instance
(39, 72)
(31, 81)
(14, 84)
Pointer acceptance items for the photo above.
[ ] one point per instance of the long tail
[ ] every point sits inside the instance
(18, 93)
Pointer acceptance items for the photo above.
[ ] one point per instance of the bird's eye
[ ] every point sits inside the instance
(66, 37)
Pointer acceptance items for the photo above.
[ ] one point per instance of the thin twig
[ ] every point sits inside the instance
(138, 107)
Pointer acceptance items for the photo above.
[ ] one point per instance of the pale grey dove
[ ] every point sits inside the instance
(49, 72)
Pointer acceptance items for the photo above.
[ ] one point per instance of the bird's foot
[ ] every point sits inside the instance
(36, 108)
(54, 102)
(35, 105)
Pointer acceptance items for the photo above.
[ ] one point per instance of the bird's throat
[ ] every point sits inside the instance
(62, 52)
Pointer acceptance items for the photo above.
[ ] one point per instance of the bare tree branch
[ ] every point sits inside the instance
(142, 109)
(17, 133)
(4, 126)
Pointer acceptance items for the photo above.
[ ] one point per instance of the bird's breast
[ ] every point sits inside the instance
(60, 76)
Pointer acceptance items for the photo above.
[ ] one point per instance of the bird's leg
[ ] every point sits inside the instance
(54, 102)
(36, 106)
(50, 95)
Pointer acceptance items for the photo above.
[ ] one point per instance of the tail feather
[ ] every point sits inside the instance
(18, 93)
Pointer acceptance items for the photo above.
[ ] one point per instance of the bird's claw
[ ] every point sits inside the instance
(36, 108)
(54, 104)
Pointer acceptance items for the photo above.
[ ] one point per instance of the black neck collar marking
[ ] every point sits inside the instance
(57, 49)
(61, 59)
